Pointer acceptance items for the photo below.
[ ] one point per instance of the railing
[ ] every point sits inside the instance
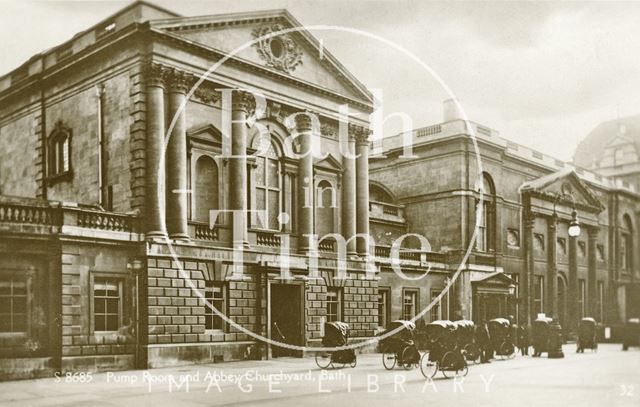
(104, 221)
(269, 239)
(386, 211)
(384, 252)
(326, 246)
(26, 211)
(33, 215)
(202, 231)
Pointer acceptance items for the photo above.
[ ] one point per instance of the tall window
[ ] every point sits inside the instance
(409, 304)
(59, 154)
(600, 301)
(538, 299)
(383, 306)
(486, 226)
(267, 183)
(436, 310)
(334, 304)
(214, 293)
(206, 188)
(626, 244)
(107, 304)
(582, 297)
(13, 304)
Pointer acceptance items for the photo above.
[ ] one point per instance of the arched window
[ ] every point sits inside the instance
(206, 188)
(59, 154)
(626, 244)
(326, 198)
(267, 183)
(486, 226)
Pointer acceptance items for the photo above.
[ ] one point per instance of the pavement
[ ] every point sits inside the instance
(607, 378)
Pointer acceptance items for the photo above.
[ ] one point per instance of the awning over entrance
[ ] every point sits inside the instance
(493, 283)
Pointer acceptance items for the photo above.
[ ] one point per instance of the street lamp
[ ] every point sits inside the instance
(512, 289)
(574, 225)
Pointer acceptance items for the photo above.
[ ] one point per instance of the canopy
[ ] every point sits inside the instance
(501, 321)
(588, 319)
(545, 320)
(444, 323)
(464, 323)
(339, 326)
(408, 325)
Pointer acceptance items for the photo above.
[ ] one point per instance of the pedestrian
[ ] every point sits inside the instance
(484, 342)
(523, 340)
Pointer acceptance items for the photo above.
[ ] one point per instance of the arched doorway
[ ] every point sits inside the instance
(562, 300)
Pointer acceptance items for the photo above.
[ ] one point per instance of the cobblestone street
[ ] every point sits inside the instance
(607, 378)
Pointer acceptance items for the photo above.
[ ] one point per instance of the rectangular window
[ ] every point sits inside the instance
(13, 304)
(107, 304)
(383, 306)
(436, 310)
(214, 293)
(334, 304)
(538, 299)
(582, 297)
(409, 304)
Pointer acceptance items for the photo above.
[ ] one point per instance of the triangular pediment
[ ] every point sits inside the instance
(619, 141)
(566, 186)
(204, 135)
(329, 163)
(273, 40)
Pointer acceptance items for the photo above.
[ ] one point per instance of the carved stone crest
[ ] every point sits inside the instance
(278, 51)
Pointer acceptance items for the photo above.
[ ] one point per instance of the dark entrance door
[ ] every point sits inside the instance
(286, 318)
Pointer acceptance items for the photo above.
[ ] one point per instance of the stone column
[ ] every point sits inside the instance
(155, 192)
(240, 104)
(349, 193)
(552, 267)
(305, 181)
(527, 287)
(362, 188)
(572, 287)
(176, 158)
(592, 248)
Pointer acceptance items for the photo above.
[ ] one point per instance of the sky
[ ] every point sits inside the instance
(543, 74)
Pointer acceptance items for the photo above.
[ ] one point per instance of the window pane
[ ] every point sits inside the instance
(112, 322)
(274, 209)
(99, 306)
(5, 304)
(5, 323)
(99, 323)
(19, 323)
(112, 306)
(20, 305)
(259, 171)
(5, 287)
(19, 288)
(272, 173)
(65, 154)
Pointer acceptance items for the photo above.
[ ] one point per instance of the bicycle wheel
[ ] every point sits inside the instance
(354, 363)
(389, 360)
(453, 365)
(323, 360)
(410, 357)
(507, 350)
(428, 368)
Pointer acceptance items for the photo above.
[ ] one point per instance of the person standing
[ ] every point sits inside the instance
(523, 340)
(484, 342)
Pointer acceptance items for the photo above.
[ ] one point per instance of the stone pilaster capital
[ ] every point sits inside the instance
(592, 232)
(359, 133)
(178, 81)
(156, 74)
(243, 101)
(304, 121)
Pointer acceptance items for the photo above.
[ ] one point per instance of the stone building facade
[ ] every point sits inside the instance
(501, 214)
(117, 146)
